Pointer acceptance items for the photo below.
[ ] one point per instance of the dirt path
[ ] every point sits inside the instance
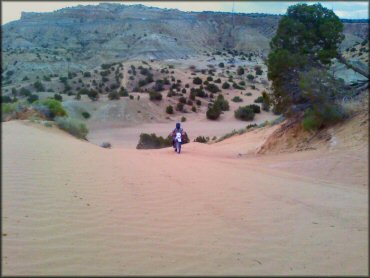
(71, 207)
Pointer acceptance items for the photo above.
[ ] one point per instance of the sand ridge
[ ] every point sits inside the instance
(71, 207)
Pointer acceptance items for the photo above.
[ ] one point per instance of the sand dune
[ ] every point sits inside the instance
(71, 207)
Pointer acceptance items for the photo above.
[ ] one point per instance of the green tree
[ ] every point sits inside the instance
(307, 37)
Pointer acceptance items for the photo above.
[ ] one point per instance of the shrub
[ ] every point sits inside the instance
(225, 85)
(78, 96)
(183, 119)
(221, 65)
(197, 81)
(182, 100)
(113, 96)
(87, 74)
(183, 91)
(237, 99)
(25, 92)
(193, 108)
(93, 95)
(32, 98)
(189, 102)
(209, 78)
(198, 102)
(213, 112)
(58, 97)
(258, 70)
(39, 86)
(218, 80)
(123, 92)
(236, 86)
(244, 113)
(72, 126)
(248, 94)
(222, 103)
(6, 99)
(255, 108)
(169, 109)
(240, 71)
(85, 114)
(131, 97)
(201, 139)
(51, 108)
(153, 95)
(200, 93)
(259, 99)
(152, 141)
(250, 77)
(192, 95)
(213, 88)
(180, 106)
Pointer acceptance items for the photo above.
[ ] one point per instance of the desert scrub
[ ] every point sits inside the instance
(245, 113)
(183, 119)
(236, 99)
(201, 139)
(72, 126)
(152, 141)
(153, 95)
(50, 108)
(169, 109)
(85, 114)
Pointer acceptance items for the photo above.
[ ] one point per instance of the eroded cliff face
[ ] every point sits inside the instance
(87, 36)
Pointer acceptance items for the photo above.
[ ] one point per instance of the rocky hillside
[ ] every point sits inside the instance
(84, 37)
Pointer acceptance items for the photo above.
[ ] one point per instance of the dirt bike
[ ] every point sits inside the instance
(178, 142)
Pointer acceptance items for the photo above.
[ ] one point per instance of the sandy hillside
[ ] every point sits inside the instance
(71, 207)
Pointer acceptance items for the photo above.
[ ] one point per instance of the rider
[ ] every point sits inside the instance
(176, 130)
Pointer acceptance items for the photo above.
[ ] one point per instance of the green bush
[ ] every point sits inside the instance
(213, 112)
(93, 95)
(240, 71)
(58, 97)
(183, 119)
(113, 96)
(193, 108)
(245, 113)
(201, 139)
(153, 95)
(182, 100)
(213, 88)
(123, 92)
(222, 103)
(25, 92)
(255, 108)
(248, 94)
(197, 81)
(32, 98)
(236, 99)
(6, 99)
(259, 99)
(50, 108)
(85, 114)
(218, 80)
(237, 86)
(72, 126)
(225, 85)
(39, 86)
(152, 141)
(180, 106)
(250, 77)
(169, 109)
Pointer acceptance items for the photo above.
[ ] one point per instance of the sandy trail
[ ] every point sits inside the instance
(71, 207)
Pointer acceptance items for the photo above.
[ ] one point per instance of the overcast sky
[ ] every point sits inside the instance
(12, 10)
